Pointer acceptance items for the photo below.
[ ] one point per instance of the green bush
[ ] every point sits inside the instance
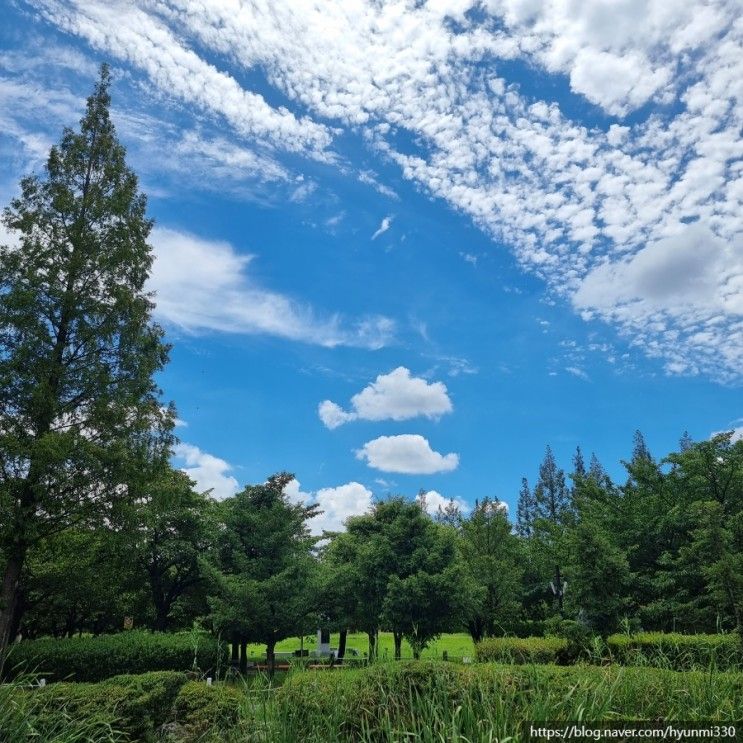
(98, 658)
(677, 651)
(432, 701)
(521, 650)
(119, 707)
(202, 708)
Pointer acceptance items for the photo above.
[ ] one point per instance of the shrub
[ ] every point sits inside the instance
(487, 702)
(133, 706)
(202, 708)
(521, 650)
(677, 651)
(98, 658)
(26, 717)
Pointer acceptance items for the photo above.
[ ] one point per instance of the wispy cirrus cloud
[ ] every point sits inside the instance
(427, 85)
(205, 285)
(384, 225)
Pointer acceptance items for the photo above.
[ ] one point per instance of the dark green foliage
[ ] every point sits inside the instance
(521, 650)
(203, 708)
(397, 568)
(98, 563)
(133, 705)
(492, 557)
(264, 580)
(97, 658)
(526, 510)
(170, 528)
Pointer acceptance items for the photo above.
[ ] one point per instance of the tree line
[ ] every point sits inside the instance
(97, 526)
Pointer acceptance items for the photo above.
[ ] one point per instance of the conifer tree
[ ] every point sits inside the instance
(78, 350)
(525, 510)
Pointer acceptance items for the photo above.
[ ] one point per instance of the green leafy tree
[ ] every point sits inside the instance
(430, 591)
(78, 350)
(266, 579)
(96, 561)
(170, 527)
(600, 577)
(492, 556)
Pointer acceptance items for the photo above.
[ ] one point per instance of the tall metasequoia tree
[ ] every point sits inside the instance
(553, 505)
(78, 350)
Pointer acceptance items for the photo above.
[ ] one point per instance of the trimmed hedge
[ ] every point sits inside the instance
(521, 650)
(201, 708)
(135, 706)
(677, 651)
(444, 702)
(98, 658)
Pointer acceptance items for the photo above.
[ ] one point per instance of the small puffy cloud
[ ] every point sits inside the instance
(337, 504)
(383, 227)
(209, 472)
(408, 454)
(204, 285)
(434, 500)
(333, 415)
(395, 396)
(293, 491)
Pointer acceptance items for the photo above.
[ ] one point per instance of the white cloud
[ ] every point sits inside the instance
(293, 491)
(131, 34)
(674, 295)
(333, 415)
(568, 198)
(383, 227)
(366, 176)
(337, 504)
(434, 501)
(737, 432)
(10, 238)
(576, 371)
(209, 472)
(205, 285)
(409, 454)
(395, 396)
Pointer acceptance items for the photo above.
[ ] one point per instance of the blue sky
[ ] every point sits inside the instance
(407, 245)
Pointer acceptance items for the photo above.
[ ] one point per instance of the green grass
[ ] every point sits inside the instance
(457, 645)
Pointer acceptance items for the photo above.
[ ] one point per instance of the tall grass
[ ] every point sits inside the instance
(24, 718)
(489, 703)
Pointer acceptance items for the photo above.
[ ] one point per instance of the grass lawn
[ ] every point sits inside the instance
(457, 645)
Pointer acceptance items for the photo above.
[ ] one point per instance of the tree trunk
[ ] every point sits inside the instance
(342, 644)
(161, 618)
(243, 654)
(475, 627)
(9, 598)
(398, 645)
(271, 657)
(372, 645)
(235, 650)
(558, 588)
